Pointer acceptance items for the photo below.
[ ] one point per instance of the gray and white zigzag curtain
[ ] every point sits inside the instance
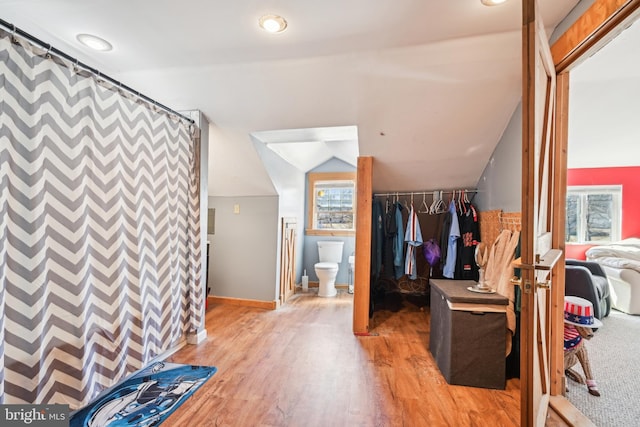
(99, 230)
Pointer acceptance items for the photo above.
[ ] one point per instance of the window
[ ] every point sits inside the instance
(331, 203)
(593, 214)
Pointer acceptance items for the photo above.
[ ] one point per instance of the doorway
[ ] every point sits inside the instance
(602, 154)
(600, 24)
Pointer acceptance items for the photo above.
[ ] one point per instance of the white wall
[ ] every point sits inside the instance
(243, 253)
(604, 130)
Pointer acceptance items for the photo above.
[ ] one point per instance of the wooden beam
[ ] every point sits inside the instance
(592, 28)
(362, 273)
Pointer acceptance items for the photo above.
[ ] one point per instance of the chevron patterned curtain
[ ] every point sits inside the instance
(99, 230)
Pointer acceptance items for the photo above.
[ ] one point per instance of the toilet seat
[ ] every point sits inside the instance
(326, 265)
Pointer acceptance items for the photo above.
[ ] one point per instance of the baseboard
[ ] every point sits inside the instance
(317, 285)
(197, 338)
(267, 305)
(163, 356)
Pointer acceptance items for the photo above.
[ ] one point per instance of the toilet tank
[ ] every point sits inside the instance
(330, 251)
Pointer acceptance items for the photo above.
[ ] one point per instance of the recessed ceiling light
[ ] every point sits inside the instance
(94, 42)
(272, 23)
(492, 2)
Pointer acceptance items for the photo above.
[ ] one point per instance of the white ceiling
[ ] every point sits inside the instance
(430, 85)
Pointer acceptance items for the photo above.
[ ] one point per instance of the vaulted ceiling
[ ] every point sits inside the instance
(430, 85)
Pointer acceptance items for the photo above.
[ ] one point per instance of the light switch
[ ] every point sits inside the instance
(236, 208)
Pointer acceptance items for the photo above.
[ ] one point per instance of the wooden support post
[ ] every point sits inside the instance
(362, 273)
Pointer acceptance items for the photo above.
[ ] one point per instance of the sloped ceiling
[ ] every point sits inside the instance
(308, 148)
(429, 85)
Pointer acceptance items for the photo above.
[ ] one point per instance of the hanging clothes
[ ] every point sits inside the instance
(413, 237)
(398, 243)
(452, 243)
(498, 273)
(377, 238)
(466, 267)
(444, 238)
(390, 231)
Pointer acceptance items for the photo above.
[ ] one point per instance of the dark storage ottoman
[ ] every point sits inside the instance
(468, 334)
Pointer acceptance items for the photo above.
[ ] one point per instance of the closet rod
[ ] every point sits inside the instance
(418, 193)
(13, 30)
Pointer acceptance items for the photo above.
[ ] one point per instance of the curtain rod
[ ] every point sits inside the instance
(414, 193)
(50, 49)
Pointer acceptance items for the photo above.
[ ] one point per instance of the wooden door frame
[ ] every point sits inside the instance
(598, 25)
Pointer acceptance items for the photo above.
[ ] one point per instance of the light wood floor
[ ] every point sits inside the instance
(301, 365)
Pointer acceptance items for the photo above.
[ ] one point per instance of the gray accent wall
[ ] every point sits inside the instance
(310, 251)
(500, 185)
(311, 257)
(243, 256)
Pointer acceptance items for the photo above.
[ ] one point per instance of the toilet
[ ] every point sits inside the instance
(330, 255)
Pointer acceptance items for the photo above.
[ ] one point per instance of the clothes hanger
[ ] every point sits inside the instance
(440, 207)
(434, 203)
(463, 205)
(424, 204)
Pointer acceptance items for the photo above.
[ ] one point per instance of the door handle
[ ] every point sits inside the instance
(544, 284)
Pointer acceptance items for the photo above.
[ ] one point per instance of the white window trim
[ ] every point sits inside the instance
(616, 220)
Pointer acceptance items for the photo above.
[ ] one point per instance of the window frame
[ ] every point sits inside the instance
(315, 177)
(616, 219)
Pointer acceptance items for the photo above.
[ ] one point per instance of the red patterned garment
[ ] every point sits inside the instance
(571, 337)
